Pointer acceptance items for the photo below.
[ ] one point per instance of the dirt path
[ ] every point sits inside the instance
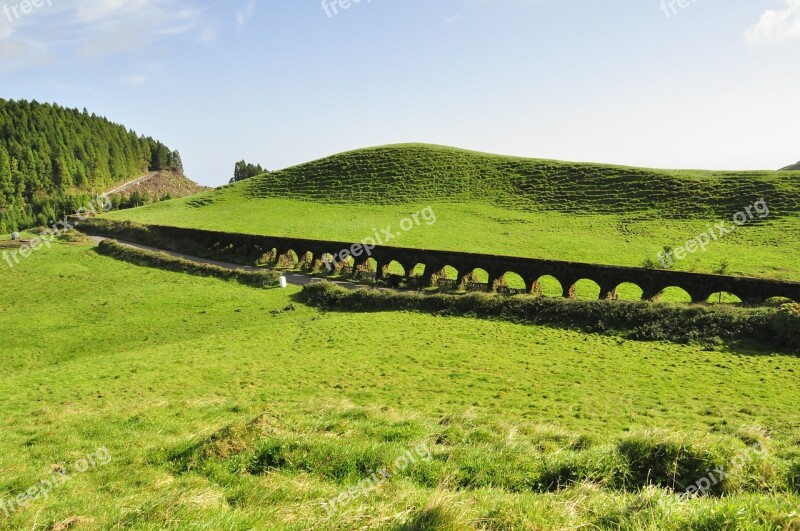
(132, 183)
(295, 279)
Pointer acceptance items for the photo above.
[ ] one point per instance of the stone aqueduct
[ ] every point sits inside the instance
(245, 248)
(652, 282)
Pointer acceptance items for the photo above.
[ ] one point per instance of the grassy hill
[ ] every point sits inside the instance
(512, 206)
(422, 173)
(230, 407)
(227, 407)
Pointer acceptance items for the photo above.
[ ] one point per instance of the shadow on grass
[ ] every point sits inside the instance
(740, 331)
(433, 518)
(166, 262)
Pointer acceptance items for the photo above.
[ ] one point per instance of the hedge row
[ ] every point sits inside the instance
(635, 320)
(226, 247)
(786, 325)
(141, 257)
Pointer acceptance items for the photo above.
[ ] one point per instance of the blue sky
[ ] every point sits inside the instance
(713, 84)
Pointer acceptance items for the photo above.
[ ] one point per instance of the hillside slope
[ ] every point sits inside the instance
(52, 158)
(420, 173)
(793, 167)
(165, 183)
(510, 206)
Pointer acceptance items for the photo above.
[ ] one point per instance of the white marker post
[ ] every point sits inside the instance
(284, 282)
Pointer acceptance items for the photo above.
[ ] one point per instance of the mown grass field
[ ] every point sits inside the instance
(518, 207)
(228, 407)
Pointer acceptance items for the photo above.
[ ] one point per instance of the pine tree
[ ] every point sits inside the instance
(242, 170)
(49, 156)
(177, 163)
(6, 181)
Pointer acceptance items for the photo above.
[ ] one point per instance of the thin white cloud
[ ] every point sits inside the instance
(145, 74)
(94, 29)
(104, 10)
(18, 53)
(6, 28)
(243, 15)
(776, 25)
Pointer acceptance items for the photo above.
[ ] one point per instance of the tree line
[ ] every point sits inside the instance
(53, 158)
(244, 170)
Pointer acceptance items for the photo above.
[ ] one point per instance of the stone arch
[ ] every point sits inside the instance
(417, 270)
(347, 266)
(415, 273)
(587, 289)
(445, 277)
(333, 264)
(324, 263)
(432, 269)
(475, 280)
(674, 294)
(395, 268)
(450, 272)
(724, 297)
(287, 260)
(371, 264)
(365, 269)
(627, 291)
(392, 272)
(476, 275)
(549, 286)
(306, 261)
(513, 280)
(267, 257)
